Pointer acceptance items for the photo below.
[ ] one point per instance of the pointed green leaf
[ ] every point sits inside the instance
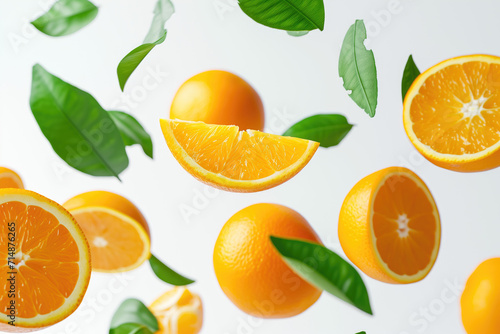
(291, 15)
(130, 62)
(66, 17)
(324, 269)
(358, 70)
(166, 274)
(132, 131)
(409, 75)
(326, 129)
(80, 131)
(155, 36)
(133, 311)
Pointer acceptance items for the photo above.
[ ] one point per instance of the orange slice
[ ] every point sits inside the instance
(10, 179)
(451, 113)
(233, 160)
(49, 268)
(179, 311)
(389, 226)
(117, 231)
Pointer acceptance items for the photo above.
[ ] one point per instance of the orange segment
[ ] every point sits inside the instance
(117, 232)
(266, 153)
(10, 179)
(179, 311)
(208, 145)
(242, 161)
(452, 113)
(389, 226)
(49, 255)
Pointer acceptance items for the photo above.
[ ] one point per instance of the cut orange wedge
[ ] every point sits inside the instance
(452, 113)
(179, 311)
(117, 231)
(45, 266)
(389, 226)
(233, 160)
(10, 179)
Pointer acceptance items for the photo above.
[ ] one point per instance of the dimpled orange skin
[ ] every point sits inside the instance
(353, 235)
(109, 200)
(219, 97)
(481, 299)
(249, 269)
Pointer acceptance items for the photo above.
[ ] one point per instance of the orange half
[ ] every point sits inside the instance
(49, 257)
(117, 232)
(451, 113)
(389, 226)
(233, 160)
(10, 179)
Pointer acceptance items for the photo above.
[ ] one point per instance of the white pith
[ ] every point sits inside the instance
(100, 242)
(473, 108)
(403, 228)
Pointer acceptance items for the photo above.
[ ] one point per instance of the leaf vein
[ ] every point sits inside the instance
(357, 71)
(303, 14)
(94, 149)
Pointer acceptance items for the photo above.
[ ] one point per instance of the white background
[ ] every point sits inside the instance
(296, 77)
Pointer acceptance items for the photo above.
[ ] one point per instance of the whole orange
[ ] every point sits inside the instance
(249, 269)
(219, 97)
(481, 299)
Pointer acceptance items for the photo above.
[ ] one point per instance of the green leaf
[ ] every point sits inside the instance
(324, 269)
(130, 62)
(297, 33)
(66, 17)
(166, 274)
(132, 131)
(327, 130)
(155, 36)
(291, 15)
(164, 9)
(133, 311)
(361, 333)
(131, 328)
(357, 68)
(409, 75)
(80, 131)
